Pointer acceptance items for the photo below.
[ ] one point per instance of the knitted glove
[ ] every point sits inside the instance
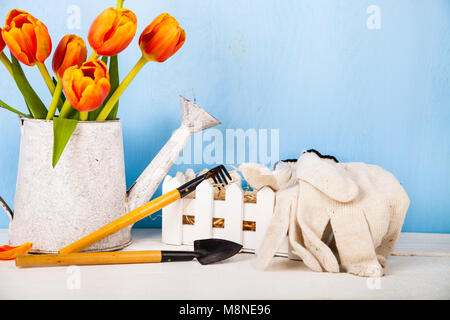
(259, 176)
(282, 181)
(284, 219)
(365, 206)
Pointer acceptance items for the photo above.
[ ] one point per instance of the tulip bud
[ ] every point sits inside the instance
(71, 51)
(162, 38)
(87, 86)
(26, 37)
(112, 31)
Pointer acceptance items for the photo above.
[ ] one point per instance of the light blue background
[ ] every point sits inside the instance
(311, 69)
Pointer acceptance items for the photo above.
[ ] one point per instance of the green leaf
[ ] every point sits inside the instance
(34, 103)
(29, 110)
(74, 114)
(5, 106)
(115, 81)
(62, 131)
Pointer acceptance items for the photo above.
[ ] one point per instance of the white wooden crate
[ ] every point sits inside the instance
(204, 209)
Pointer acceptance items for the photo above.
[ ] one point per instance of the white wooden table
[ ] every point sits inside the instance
(418, 269)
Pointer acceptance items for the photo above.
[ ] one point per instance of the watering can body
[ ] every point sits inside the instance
(54, 207)
(86, 190)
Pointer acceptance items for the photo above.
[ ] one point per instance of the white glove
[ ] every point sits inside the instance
(364, 204)
(259, 176)
(282, 181)
(284, 219)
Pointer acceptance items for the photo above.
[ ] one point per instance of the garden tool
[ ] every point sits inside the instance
(218, 174)
(206, 251)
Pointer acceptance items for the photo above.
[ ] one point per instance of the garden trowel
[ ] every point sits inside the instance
(206, 251)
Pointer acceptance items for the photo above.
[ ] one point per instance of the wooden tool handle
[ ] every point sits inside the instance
(88, 258)
(122, 222)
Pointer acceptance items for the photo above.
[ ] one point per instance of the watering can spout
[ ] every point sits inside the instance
(193, 119)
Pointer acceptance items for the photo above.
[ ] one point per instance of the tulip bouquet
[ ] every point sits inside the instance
(82, 89)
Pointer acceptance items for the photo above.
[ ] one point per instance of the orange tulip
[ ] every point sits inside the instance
(158, 42)
(71, 51)
(112, 31)
(87, 86)
(26, 37)
(2, 43)
(10, 253)
(162, 38)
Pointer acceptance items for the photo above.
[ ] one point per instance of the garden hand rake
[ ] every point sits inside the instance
(218, 174)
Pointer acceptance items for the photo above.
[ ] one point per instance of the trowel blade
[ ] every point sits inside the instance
(214, 250)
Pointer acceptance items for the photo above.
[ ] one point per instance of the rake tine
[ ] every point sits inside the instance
(216, 182)
(222, 175)
(212, 172)
(215, 174)
(226, 172)
(217, 171)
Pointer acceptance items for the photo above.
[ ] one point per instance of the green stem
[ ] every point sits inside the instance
(4, 59)
(84, 116)
(120, 89)
(120, 4)
(47, 78)
(55, 100)
(65, 109)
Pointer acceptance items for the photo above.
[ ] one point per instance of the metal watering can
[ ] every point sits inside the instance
(55, 207)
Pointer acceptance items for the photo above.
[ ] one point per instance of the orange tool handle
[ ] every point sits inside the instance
(130, 218)
(88, 258)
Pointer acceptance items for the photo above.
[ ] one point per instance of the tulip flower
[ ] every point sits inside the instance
(10, 253)
(86, 87)
(159, 41)
(28, 40)
(162, 38)
(112, 31)
(26, 37)
(3, 58)
(71, 51)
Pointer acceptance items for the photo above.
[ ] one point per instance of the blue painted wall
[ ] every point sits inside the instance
(312, 69)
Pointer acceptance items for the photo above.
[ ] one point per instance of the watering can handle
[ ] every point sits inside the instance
(3, 203)
(7, 209)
